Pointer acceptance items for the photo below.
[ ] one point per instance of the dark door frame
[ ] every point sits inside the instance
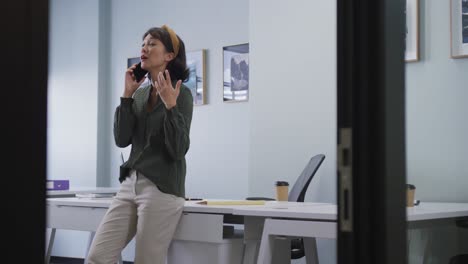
(371, 132)
(24, 123)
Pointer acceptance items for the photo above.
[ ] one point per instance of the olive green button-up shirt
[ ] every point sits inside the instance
(159, 138)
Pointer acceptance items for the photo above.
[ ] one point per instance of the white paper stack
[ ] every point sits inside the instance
(95, 195)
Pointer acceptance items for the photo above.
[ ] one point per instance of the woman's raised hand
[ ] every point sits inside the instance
(167, 92)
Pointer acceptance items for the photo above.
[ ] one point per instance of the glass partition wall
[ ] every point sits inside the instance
(436, 128)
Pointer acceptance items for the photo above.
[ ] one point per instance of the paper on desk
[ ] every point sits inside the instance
(95, 195)
(231, 202)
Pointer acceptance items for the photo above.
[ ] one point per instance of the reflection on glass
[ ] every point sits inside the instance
(437, 149)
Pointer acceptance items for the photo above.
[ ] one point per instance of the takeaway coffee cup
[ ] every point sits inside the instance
(282, 189)
(410, 190)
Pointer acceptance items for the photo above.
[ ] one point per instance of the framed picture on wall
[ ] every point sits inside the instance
(412, 31)
(459, 28)
(132, 60)
(236, 73)
(196, 81)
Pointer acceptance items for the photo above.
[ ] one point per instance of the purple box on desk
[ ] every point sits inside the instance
(58, 184)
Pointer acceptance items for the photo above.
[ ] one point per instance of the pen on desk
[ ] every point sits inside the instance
(193, 199)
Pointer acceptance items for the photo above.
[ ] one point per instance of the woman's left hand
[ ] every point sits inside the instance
(167, 93)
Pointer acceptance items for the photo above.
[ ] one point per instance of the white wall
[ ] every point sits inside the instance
(218, 154)
(72, 98)
(72, 103)
(293, 98)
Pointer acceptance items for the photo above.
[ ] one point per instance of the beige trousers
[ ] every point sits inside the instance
(142, 211)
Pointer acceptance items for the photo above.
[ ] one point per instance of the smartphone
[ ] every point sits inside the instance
(139, 72)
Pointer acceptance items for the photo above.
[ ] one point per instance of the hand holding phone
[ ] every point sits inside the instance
(139, 73)
(133, 79)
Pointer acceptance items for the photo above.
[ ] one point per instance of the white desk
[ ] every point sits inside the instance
(73, 191)
(201, 223)
(319, 221)
(434, 211)
(307, 220)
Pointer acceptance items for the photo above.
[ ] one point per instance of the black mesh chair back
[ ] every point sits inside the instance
(298, 191)
(297, 194)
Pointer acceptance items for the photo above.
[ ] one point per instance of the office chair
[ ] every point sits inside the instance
(297, 194)
(461, 258)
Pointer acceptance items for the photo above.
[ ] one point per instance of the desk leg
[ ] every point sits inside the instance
(250, 252)
(253, 227)
(266, 246)
(428, 246)
(295, 228)
(50, 245)
(282, 252)
(310, 248)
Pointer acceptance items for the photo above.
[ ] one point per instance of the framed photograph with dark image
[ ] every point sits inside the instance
(459, 28)
(236, 73)
(412, 31)
(196, 81)
(133, 60)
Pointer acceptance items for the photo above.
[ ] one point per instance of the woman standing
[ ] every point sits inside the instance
(155, 120)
